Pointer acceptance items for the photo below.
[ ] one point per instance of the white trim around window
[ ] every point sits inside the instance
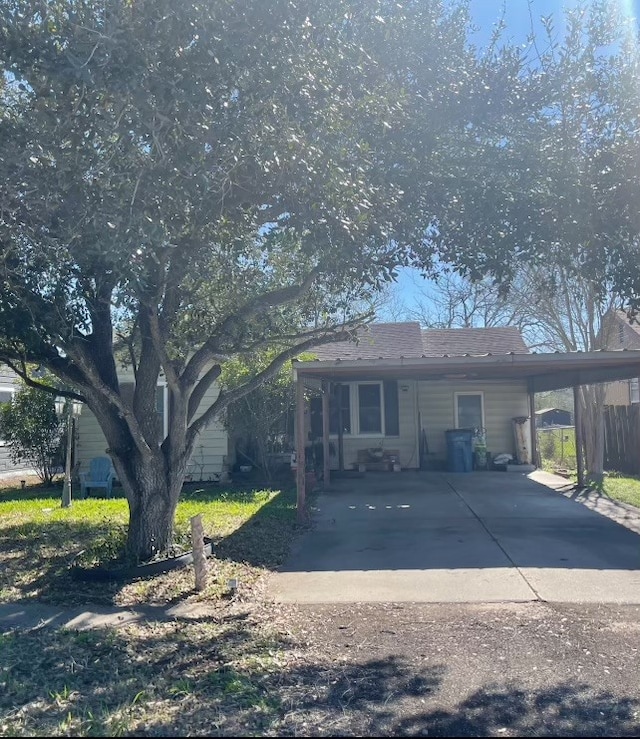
(634, 391)
(354, 409)
(456, 395)
(369, 434)
(165, 408)
(12, 390)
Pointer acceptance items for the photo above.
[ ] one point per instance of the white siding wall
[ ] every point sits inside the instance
(207, 458)
(502, 402)
(406, 443)
(212, 444)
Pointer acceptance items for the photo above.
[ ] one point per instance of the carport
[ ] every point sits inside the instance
(429, 537)
(542, 372)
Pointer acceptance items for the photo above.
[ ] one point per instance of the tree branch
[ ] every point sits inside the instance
(206, 352)
(55, 391)
(201, 388)
(230, 396)
(160, 346)
(77, 354)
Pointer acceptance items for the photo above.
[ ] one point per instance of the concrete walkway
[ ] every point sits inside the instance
(480, 537)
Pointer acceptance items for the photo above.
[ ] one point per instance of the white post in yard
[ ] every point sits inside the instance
(199, 558)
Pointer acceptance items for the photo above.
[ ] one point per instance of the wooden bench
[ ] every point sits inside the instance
(373, 464)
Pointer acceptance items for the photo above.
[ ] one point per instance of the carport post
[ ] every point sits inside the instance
(326, 467)
(300, 461)
(532, 422)
(340, 429)
(577, 420)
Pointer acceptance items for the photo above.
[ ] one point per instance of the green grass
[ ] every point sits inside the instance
(251, 530)
(230, 670)
(624, 489)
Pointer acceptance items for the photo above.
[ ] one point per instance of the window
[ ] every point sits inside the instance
(6, 394)
(373, 406)
(469, 410)
(634, 390)
(162, 408)
(340, 408)
(370, 409)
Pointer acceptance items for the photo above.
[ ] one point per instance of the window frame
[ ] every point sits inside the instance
(634, 391)
(354, 409)
(165, 408)
(7, 389)
(456, 395)
(371, 434)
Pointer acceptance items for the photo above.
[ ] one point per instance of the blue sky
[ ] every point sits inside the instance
(518, 15)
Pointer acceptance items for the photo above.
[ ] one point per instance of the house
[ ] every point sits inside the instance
(210, 453)
(622, 335)
(553, 417)
(399, 389)
(379, 405)
(9, 385)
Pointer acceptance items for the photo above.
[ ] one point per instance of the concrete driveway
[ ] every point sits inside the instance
(440, 537)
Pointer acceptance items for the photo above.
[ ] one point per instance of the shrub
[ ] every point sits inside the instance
(32, 430)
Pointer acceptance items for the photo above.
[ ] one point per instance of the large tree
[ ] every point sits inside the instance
(186, 182)
(563, 187)
(582, 143)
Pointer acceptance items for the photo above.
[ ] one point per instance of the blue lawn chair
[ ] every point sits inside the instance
(100, 475)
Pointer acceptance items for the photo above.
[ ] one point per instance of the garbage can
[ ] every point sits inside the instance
(459, 450)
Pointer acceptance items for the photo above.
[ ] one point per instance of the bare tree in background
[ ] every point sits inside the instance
(570, 314)
(455, 302)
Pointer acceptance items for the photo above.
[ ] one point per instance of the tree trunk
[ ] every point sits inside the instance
(153, 498)
(592, 397)
(150, 525)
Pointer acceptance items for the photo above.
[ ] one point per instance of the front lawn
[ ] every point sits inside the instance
(624, 489)
(251, 530)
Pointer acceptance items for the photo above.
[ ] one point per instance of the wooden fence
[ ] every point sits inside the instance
(622, 438)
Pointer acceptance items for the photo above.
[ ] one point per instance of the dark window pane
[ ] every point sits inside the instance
(391, 414)
(339, 394)
(315, 409)
(369, 407)
(5, 396)
(160, 400)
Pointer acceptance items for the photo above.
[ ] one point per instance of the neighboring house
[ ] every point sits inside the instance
(622, 335)
(8, 387)
(211, 449)
(409, 415)
(553, 417)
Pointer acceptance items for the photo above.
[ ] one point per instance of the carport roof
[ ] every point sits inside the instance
(543, 371)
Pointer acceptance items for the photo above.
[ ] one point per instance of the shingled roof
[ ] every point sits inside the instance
(407, 339)
(377, 341)
(456, 342)
(630, 338)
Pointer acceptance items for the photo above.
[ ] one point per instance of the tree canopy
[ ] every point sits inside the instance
(186, 183)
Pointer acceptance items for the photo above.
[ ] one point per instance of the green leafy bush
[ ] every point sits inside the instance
(32, 430)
